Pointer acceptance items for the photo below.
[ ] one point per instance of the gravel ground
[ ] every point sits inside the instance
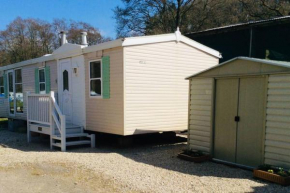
(147, 166)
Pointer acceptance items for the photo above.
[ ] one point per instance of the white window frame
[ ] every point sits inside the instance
(2, 87)
(41, 82)
(8, 90)
(15, 102)
(101, 79)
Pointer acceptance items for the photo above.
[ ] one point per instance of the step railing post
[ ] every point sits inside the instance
(51, 109)
(63, 133)
(27, 115)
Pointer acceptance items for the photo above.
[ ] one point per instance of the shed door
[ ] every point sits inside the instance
(250, 126)
(239, 141)
(227, 92)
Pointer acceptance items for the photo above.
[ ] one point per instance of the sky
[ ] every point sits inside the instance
(95, 12)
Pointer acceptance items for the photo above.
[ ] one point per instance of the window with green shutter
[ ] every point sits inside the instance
(100, 78)
(42, 80)
(36, 76)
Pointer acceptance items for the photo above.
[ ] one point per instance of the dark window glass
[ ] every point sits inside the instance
(19, 98)
(10, 79)
(18, 88)
(95, 69)
(1, 81)
(2, 87)
(65, 81)
(18, 76)
(2, 91)
(96, 87)
(41, 75)
(42, 88)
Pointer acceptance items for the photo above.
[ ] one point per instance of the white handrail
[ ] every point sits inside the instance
(61, 124)
(55, 104)
(56, 121)
(43, 109)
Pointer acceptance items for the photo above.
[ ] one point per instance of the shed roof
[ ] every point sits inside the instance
(69, 50)
(263, 61)
(249, 24)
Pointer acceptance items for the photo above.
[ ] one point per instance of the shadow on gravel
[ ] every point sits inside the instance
(157, 150)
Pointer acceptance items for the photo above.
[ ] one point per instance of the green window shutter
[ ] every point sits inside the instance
(106, 77)
(47, 80)
(36, 80)
(5, 86)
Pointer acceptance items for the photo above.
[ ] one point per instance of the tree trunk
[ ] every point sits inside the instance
(178, 13)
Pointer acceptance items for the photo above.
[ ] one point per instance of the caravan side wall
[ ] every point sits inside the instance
(106, 115)
(156, 92)
(28, 83)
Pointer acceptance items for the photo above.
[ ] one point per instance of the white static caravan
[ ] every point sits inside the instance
(125, 87)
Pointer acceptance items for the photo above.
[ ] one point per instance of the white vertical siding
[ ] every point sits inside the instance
(106, 115)
(3, 107)
(200, 114)
(156, 92)
(78, 92)
(277, 142)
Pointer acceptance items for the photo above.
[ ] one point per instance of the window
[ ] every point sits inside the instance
(2, 93)
(95, 78)
(11, 92)
(18, 91)
(65, 80)
(42, 85)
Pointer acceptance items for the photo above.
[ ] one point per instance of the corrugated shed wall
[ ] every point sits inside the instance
(277, 144)
(156, 92)
(200, 114)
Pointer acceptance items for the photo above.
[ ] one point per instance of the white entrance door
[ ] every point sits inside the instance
(65, 92)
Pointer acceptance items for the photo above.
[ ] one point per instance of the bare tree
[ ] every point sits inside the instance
(143, 17)
(24, 39)
(264, 9)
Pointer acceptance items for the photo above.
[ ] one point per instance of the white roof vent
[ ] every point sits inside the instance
(84, 38)
(177, 34)
(63, 37)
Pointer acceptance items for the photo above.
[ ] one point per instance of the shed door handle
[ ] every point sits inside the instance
(237, 119)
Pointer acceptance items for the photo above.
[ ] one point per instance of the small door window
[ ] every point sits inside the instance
(65, 80)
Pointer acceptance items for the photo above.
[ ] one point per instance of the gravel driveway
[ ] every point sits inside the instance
(148, 166)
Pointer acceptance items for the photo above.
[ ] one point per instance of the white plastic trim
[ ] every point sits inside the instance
(70, 50)
(270, 62)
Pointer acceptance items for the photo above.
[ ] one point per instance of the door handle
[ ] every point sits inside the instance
(237, 119)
